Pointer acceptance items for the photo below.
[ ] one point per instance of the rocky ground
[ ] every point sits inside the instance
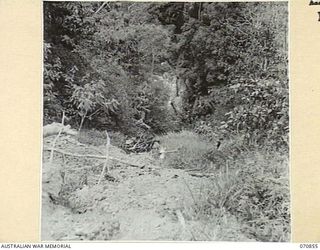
(147, 201)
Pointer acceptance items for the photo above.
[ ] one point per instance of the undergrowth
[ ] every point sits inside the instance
(255, 188)
(96, 137)
(189, 150)
(249, 182)
(249, 191)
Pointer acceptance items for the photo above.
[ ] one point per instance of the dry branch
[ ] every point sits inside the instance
(93, 156)
(107, 158)
(56, 138)
(100, 8)
(201, 175)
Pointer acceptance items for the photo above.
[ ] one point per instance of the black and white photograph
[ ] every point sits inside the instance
(165, 121)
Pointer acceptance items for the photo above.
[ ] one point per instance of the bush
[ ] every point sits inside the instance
(250, 181)
(255, 188)
(190, 150)
(262, 110)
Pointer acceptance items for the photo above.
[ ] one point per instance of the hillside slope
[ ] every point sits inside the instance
(149, 202)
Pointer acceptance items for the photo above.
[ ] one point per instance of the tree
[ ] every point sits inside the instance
(86, 44)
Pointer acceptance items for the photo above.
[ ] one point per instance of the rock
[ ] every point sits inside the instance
(80, 232)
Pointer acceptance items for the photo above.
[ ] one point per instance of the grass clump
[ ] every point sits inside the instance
(190, 150)
(249, 183)
(254, 187)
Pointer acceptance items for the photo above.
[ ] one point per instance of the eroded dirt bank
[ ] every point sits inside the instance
(150, 202)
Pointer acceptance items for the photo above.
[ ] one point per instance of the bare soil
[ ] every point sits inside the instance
(150, 202)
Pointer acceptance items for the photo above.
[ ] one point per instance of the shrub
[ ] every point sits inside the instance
(255, 188)
(250, 182)
(190, 150)
(262, 110)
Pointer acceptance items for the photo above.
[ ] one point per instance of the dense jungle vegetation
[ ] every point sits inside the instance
(208, 79)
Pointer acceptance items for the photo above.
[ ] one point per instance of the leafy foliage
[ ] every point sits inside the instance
(103, 83)
(233, 56)
(262, 110)
(106, 65)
